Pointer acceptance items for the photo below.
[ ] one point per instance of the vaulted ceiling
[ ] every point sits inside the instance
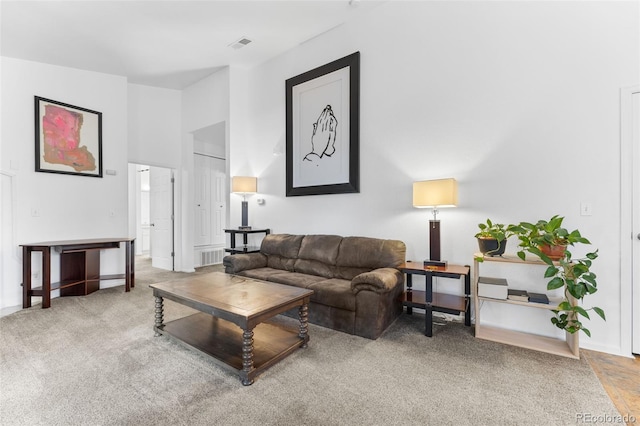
(169, 44)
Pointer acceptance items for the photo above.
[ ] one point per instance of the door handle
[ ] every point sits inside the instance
(152, 224)
(638, 236)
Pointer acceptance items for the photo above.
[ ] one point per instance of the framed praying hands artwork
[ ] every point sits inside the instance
(68, 139)
(322, 129)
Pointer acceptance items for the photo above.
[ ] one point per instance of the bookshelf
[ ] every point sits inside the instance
(567, 347)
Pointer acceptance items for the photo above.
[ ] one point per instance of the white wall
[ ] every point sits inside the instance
(154, 137)
(154, 130)
(69, 207)
(519, 101)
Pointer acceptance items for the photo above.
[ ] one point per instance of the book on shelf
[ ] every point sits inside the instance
(538, 298)
(495, 288)
(519, 295)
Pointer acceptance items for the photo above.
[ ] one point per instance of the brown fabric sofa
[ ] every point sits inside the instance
(355, 281)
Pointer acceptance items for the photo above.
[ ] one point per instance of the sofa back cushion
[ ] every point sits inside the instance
(281, 250)
(362, 254)
(318, 254)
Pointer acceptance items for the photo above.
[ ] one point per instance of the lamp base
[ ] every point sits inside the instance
(435, 263)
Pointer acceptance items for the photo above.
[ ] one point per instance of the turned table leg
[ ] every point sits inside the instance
(303, 315)
(159, 315)
(247, 357)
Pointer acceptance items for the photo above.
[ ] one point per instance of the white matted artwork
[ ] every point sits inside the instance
(322, 129)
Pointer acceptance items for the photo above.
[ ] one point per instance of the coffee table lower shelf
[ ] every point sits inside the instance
(222, 340)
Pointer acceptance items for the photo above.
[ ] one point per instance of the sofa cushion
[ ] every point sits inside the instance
(317, 255)
(294, 278)
(281, 250)
(334, 292)
(284, 245)
(362, 254)
(259, 273)
(323, 248)
(313, 267)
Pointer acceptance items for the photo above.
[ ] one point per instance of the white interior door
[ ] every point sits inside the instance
(202, 199)
(210, 188)
(161, 214)
(219, 202)
(635, 219)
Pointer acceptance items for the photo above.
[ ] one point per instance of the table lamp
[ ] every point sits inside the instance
(244, 185)
(434, 194)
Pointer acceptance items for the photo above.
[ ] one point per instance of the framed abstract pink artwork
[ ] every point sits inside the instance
(68, 139)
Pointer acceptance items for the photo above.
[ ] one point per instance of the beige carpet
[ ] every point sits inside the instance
(94, 361)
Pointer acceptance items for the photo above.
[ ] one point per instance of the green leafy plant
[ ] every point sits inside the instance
(535, 236)
(492, 239)
(496, 231)
(574, 275)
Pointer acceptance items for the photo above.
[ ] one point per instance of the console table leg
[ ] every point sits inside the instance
(303, 316)
(159, 315)
(26, 277)
(127, 266)
(46, 277)
(247, 357)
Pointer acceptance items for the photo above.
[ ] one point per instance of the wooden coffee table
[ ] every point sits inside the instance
(234, 324)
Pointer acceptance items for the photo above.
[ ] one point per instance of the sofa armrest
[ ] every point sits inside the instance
(241, 262)
(381, 280)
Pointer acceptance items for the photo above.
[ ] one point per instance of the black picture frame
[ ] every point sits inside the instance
(323, 129)
(68, 139)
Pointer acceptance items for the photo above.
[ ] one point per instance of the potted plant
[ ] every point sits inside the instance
(546, 238)
(492, 238)
(574, 275)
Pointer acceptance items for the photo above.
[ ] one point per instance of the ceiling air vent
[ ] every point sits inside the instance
(242, 42)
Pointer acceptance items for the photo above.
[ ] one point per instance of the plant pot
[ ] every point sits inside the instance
(491, 247)
(553, 252)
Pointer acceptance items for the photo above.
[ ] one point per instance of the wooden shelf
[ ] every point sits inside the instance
(418, 299)
(568, 347)
(553, 302)
(510, 258)
(244, 249)
(222, 340)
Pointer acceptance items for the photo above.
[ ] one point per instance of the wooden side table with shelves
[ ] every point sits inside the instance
(432, 301)
(568, 347)
(245, 248)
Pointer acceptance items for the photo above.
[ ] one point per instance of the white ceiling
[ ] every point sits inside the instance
(169, 44)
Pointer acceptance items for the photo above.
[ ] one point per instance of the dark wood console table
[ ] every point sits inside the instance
(79, 267)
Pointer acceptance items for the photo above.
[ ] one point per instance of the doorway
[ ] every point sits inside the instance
(211, 194)
(152, 201)
(630, 207)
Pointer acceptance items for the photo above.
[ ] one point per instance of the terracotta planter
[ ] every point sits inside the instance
(491, 247)
(553, 252)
